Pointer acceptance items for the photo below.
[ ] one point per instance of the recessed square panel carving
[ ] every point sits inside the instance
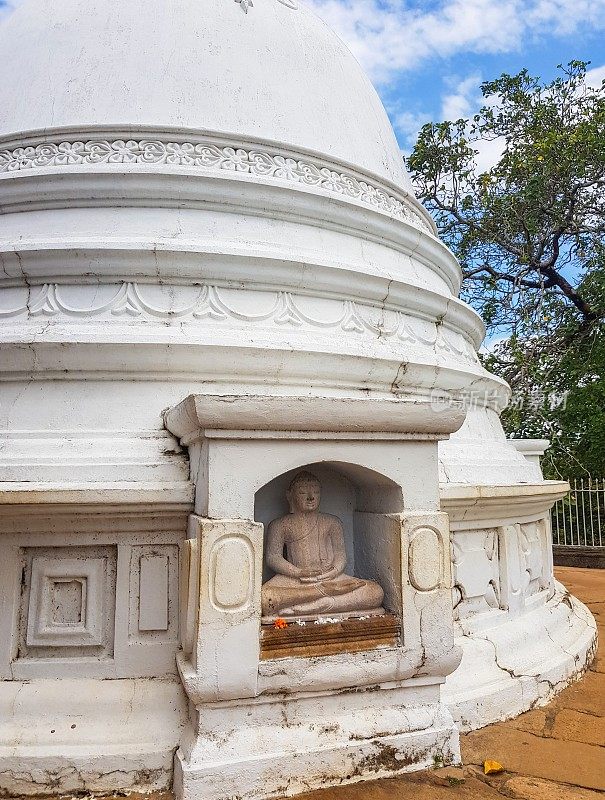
(68, 602)
(66, 606)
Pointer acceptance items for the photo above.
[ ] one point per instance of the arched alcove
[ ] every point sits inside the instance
(368, 505)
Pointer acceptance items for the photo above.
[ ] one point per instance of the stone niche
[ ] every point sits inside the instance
(276, 710)
(368, 506)
(363, 501)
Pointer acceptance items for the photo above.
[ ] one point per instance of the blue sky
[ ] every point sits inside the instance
(427, 58)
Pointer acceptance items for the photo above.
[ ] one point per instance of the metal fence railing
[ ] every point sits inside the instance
(578, 520)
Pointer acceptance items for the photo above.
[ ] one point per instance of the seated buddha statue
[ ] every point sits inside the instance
(306, 551)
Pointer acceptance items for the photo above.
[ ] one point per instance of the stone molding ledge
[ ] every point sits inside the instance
(279, 246)
(81, 191)
(90, 148)
(123, 495)
(471, 506)
(187, 353)
(296, 206)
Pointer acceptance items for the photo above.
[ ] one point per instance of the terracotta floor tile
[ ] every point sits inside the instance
(570, 725)
(523, 788)
(527, 754)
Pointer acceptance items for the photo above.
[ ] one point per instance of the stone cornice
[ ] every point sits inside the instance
(136, 352)
(177, 496)
(67, 192)
(189, 419)
(471, 506)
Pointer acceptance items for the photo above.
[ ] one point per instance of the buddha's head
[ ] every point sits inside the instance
(304, 493)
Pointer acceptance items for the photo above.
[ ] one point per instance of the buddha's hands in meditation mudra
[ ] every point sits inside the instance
(311, 579)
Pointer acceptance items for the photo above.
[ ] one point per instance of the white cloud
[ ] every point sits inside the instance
(464, 101)
(390, 36)
(488, 153)
(464, 98)
(563, 17)
(408, 124)
(595, 77)
(396, 35)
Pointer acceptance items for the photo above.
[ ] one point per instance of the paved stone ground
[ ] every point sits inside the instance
(553, 753)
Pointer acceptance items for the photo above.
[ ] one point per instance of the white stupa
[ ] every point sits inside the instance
(214, 272)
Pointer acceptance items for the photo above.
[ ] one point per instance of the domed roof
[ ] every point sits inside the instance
(263, 70)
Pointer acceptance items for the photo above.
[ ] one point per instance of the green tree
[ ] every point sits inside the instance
(558, 382)
(529, 234)
(525, 228)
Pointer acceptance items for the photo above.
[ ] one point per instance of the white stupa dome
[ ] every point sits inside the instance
(183, 64)
(208, 190)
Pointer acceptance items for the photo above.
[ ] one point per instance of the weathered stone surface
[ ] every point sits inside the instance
(524, 788)
(449, 776)
(573, 725)
(538, 727)
(531, 722)
(558, 760)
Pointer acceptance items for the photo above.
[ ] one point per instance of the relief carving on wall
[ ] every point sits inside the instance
(525, 564)
(231, 582)
(425, 557)
(67, 602)
(532, 547)
(476, 571)
(207, 302)
(210, 156)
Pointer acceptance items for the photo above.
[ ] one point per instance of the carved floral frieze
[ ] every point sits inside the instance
(210, 157)
(213, 303)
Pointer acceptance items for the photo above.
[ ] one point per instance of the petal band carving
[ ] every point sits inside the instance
(211, 157)
(212, 303)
